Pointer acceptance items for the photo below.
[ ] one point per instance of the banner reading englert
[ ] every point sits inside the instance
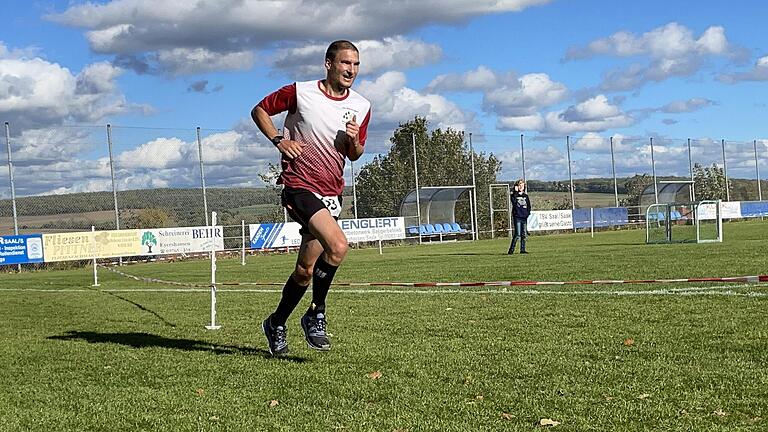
(373, 229)
(279, 235)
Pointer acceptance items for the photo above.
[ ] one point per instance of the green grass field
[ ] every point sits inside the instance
(131, 355)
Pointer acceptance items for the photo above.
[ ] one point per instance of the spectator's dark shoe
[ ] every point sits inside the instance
(314, 331)
(522, 251)
(276, 338)
(510, 252)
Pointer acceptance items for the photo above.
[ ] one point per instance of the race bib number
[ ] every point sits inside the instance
(331, 203)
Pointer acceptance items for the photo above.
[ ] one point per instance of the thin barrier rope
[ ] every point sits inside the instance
(732, 279)
(154, 280)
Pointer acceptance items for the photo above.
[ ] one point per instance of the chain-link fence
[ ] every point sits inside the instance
(72, 178)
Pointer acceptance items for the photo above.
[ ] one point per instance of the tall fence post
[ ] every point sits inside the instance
(692, 189)
(522, 155)
(10, 177)
(473, 215)
(653, 170)
(725, 173)
(615, 181)
(757, 172)
(112, 175)
(416, 175)
(570, 173)
(13, 186)
(202, 174)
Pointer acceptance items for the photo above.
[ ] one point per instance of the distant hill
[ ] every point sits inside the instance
(184, 207)
(169, 199)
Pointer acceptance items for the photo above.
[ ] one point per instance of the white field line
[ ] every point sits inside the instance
(723, 290)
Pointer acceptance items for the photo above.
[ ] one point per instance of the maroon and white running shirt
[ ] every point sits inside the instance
(319, 121)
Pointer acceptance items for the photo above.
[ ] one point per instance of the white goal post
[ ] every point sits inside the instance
(507, 208)
(688, 222)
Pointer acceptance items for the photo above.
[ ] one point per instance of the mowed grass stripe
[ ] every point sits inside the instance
(112, 359)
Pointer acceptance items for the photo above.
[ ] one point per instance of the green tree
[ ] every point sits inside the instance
(150, 218)
(634, 187)
(710, 182)
(443, 159)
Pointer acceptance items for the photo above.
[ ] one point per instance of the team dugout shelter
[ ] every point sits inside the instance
(433, 211)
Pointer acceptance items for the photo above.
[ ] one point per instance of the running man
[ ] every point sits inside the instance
(326, 122)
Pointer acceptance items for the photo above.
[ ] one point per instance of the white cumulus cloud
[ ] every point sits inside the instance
(394, 102)
(143, 28)
(759, 72)
(593, 115)
(672, 50)
(376, 56)
(36, 93)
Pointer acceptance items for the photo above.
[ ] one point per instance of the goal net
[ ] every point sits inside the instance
(692, 222)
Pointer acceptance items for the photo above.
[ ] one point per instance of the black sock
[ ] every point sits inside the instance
(321, 283)
(292, 294)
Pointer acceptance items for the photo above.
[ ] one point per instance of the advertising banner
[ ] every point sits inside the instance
(731, 209)
(728, 210)
(274, 235)
(280, 235)
(166, 241)
(550, 220)
(21, 249)
(373, 229)
(88, 245)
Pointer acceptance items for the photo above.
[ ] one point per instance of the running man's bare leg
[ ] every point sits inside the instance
(334, 243)
(327, 231)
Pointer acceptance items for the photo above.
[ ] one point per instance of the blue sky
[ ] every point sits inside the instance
(546, 69)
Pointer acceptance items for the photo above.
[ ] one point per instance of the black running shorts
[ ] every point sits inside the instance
(302, 204)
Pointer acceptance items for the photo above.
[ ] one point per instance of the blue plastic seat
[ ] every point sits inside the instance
(430, 228)
(423, 229)
(447, 227)
(413, 229)
(456, 227)
(439, 228)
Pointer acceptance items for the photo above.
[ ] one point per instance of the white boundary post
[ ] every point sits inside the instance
(592, 221)
(242, 254)
(213, 325)
(95, 271)
(719, 222)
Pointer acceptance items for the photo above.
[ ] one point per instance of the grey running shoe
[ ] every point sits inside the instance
(276, 338)
(314, 332)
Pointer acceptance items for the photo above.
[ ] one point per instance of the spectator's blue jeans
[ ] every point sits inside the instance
(521, 232)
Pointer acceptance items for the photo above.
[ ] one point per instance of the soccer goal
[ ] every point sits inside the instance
(693, 222)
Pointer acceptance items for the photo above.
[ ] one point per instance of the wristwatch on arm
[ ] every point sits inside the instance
(277, 139)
